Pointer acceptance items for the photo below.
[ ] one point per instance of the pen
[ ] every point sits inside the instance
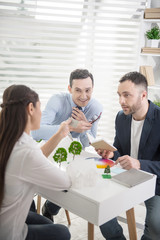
(70, 136)
(95, 119)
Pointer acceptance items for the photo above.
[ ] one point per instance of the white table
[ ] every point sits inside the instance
(105, 201)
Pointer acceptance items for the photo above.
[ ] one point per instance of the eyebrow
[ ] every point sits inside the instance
(124, 92)
(77, 88)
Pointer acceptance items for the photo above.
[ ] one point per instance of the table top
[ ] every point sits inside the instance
(104, 201)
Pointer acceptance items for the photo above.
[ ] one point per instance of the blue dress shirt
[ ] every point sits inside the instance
(59, 109)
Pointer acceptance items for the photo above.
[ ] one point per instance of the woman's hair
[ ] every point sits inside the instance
(13, 120)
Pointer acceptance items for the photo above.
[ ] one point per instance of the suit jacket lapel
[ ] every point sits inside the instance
(144, 136)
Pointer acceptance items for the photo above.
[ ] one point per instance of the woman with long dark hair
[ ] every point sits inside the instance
(24, 168)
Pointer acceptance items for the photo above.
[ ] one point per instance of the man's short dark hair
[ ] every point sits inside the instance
(135, 77)
(80, 74)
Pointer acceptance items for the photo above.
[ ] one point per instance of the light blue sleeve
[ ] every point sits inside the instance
(45, 132)
(47, 128)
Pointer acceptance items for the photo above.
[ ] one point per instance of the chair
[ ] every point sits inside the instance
(39, 207)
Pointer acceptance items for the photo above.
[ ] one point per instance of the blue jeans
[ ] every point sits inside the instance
(112, 230)
(52, 208)
(152, 221)
(41, 228)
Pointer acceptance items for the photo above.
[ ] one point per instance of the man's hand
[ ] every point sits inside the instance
(78, 115)
(128, 162)
(81, 127)
(104, 153)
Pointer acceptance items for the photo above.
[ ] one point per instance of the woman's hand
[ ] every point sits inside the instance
(64, 128)
(52, 143)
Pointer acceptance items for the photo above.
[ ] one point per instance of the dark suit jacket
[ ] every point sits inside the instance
(149, 147)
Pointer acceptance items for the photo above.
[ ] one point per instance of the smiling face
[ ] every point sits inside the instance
(81, 91)
(132, 98)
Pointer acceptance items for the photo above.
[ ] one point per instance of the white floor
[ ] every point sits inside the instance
(78, 227)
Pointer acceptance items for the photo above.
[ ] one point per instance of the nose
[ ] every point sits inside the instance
(83, 95)
(121, 100)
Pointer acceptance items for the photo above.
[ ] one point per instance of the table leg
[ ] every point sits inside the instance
(90, 231)
(131, 224)
(38, 204)
(68, 217)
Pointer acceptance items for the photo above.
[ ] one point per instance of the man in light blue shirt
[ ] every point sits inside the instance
(64, 105)
(77, 104)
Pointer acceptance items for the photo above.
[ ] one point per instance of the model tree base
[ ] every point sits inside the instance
(108, 176)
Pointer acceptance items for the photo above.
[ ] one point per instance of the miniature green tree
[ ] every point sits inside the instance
(75, 148)
(60, 155)
(107, 169)
(107, 172)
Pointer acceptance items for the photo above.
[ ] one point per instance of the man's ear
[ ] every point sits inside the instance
(30, 108)
(69, 89)
(144, 94)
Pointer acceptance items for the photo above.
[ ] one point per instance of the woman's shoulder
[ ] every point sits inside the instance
(26, 139)
(28, 150)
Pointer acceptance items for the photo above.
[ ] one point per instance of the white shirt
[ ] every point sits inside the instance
(28, 172)
(136, 130)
